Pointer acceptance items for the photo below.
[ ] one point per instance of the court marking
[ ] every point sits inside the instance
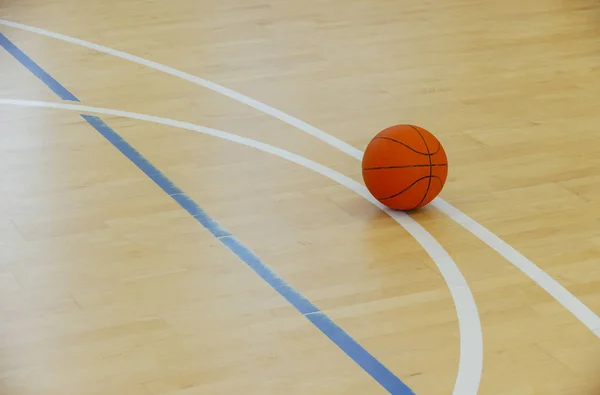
(36, 70)
(380, 373)
(569, 301)
(470, 364)
(471, 343)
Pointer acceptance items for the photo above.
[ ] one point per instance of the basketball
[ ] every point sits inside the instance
(404, 167)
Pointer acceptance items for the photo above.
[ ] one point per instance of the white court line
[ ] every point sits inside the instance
(471, 341)
(534, 272)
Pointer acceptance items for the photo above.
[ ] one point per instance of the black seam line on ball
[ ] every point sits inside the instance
(408, 187)
(405, 166)
(430, 167)
(411, 148)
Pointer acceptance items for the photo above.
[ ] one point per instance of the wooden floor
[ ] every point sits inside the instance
(108, 286)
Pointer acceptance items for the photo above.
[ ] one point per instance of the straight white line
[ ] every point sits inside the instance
(544, 280)
(471, 341)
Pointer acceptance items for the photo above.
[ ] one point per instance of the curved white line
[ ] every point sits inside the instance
(543, 279)
(471, 342)
(534, 272)
(198, 81)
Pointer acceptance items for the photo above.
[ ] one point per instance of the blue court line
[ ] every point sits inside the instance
(46, 78)
(355, 351)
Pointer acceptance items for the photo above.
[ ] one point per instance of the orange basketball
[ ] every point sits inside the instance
(405, 167)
